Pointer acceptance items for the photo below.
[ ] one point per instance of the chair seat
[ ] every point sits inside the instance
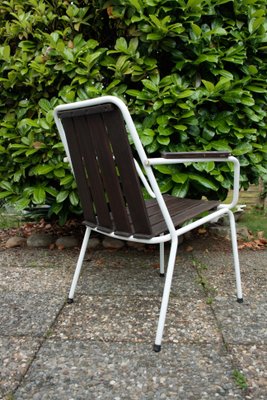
(181, 210)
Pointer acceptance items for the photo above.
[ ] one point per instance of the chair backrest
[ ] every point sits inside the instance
(103, 165)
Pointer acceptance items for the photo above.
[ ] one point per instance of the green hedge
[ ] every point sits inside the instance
(193, 74)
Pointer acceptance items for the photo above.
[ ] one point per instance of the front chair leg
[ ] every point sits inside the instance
(79, 265)
(166, 294)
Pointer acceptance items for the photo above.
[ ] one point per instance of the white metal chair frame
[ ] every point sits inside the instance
(152, 186)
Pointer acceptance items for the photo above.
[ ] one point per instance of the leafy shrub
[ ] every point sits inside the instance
(192, 72)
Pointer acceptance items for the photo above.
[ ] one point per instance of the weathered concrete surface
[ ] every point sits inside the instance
(100, 347)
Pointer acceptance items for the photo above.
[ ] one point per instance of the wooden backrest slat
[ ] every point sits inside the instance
(128, 175)
(79, 172)
(107, 166)
(91, 166)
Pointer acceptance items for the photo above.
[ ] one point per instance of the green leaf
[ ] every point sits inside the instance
(74, 199)
(154, 36)
(163, 140)
(185, 93)
(180, 127)
(243, 148)
(165, 131)
(196, 29)
(165, 185)
(165, 169)
(6, 186)
(39, 195)
(136, 4)
(45, 105)
(157, 105)
(150, 85)
(28, 122)
(257, 89)
(207, 58)
(203, 181)
(180, 177)
(4, 52)
(255, 23)
(146, 140)
(256, 158)
(248, 101)
(5, 194)
(22, 204)
(62, 196)
(44, 169)
(56, 208)
(52, 191)
(193, 3)
(180, 190)
(121, 45)
(208, 85)
(66, 180)
(59, 173)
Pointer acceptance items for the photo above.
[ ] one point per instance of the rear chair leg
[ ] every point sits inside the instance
(161, 259)
(79, 265)
(166, 294)
(236, 257)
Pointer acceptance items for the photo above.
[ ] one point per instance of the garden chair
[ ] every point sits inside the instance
(95, 137)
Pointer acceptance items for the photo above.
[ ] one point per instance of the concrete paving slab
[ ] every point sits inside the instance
(138, 274)
(28, 313)
(37, 279)
(240, 323)
(16, 354)
(252, 361)
(34, 258)
(85, 370)
(117, 318)
(219, 273)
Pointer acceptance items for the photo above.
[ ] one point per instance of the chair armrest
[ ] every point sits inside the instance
(195, 154)
(219, 156)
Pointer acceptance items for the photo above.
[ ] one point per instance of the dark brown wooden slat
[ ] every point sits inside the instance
(179, 212)
(128, 176)
(196, 154)
(86, 111)
(79, 172)
(88, 156)
(107, 166)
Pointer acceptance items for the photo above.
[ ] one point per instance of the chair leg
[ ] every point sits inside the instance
(236, 257)
(79, 265)
(161, 259)
(166, 294)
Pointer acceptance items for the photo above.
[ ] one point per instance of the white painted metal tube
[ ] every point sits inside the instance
(161, 259)
(234, 160)
(162, 161)
(143, 179)
(79, 263)
(235, 255)
(201, 221)
(166, 292)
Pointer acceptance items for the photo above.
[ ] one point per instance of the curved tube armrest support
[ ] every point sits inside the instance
(216, 156)
(143, 179)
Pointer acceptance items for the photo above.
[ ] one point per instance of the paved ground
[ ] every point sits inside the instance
(100, 347)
